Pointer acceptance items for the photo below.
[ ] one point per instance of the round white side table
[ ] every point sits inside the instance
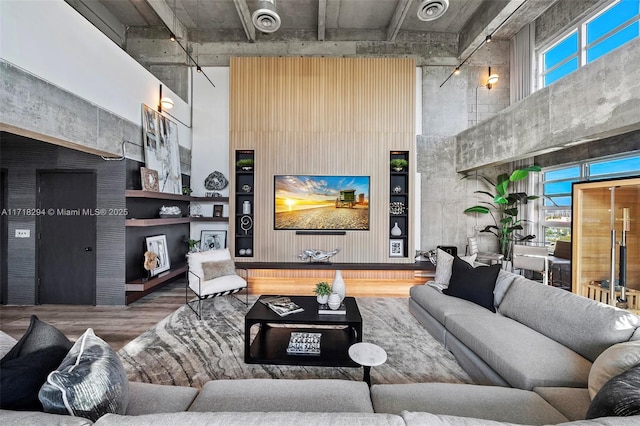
(367, 355)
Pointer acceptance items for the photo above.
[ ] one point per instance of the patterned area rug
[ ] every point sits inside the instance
(182, 350)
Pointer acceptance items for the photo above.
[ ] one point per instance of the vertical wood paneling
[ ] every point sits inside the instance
(332, 116)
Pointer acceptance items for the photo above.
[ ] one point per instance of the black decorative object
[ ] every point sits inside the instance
(215, 181)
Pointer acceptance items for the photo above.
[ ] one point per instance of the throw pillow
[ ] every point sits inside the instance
(90, 382)
(620, 396)
(613, 361)
(217, 269)
(473, 284)
(443, 268)
(24, 368)
(6, 343)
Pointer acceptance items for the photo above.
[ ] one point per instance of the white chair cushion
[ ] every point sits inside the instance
(216, 285)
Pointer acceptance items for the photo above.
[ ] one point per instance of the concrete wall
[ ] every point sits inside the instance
(599, 100)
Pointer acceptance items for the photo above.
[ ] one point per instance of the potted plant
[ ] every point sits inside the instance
(193, 245)
(245, 164)
(322, 291)
(504, 209)
(398, 164)
(186, 190)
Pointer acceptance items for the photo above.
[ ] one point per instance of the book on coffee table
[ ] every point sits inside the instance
(282, 305)
(326, 310)
(304, 343)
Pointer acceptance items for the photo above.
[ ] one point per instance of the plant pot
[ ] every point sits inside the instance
(322, 299)
(398, 169)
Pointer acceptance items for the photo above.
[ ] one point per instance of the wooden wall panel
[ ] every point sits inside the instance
(323, 116)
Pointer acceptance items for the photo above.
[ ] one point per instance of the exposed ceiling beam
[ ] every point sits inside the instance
(322, 19)
(104, 20)
(162, 9)
(245, 17)
(398, 18)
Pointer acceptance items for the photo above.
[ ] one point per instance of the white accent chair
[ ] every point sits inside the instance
(532, 258)
(485, 257)
(219, 286)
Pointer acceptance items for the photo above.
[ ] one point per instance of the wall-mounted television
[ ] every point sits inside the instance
(316, 203)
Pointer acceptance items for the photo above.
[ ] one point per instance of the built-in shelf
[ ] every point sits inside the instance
(136, 193)
(146, 284)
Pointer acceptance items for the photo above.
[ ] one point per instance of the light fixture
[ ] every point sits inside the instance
(265, 18)
(172, 37)
(430, 10)
(456, 71)
(164, 102)
(488, 39)
(199, 69)
(493, 79)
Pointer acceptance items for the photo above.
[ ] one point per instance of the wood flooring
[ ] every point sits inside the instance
(117, 325)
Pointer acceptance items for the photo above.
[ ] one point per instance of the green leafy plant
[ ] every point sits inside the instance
(244, 162)
(192, 243)
(186, 190)
(504, 208)
(322, 289)
(399, 163)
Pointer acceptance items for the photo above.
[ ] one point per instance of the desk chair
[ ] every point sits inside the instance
(211, 274)
(532, 258)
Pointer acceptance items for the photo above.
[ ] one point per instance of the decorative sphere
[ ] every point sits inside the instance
(242, 252)
(248, 252)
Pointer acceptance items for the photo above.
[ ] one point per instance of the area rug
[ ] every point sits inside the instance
(182, 350)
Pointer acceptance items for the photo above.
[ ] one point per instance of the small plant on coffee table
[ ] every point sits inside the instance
(322, 291)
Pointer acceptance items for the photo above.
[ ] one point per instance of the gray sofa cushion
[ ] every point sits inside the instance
(573, 403)
(313, 395)
(37, 418)
(615, 360)
(440, 305)
(149, 398)
(254, 418)
(564, 317)
(481, 402)
(520, 355)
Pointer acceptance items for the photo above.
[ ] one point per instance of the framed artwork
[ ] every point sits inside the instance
(161, 150)
(217, 210)
(396, 248)
(213, 240)
(158, 245)
(149, 179)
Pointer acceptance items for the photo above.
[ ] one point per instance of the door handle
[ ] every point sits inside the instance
(88, 249)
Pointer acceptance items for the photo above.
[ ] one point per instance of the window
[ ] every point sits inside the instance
(556, 188)
(597, 35)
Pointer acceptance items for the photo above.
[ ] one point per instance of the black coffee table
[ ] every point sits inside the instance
(269, 346)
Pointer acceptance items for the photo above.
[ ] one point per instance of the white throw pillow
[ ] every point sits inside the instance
(444, 267)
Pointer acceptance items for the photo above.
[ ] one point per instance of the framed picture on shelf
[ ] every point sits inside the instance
(396, 248)
(213, 240)
(158, 245)
(217, 210)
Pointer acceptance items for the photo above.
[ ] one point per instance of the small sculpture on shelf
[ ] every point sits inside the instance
(150, 262)
(170, 211)
(397, 207)
(315, 255)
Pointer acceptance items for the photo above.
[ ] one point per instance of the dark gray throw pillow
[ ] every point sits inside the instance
(620, 396)
(24, 368)
(473, 284)
(90, 382)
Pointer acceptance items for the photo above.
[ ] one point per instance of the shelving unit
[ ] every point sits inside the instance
(244, 192)
(399, 196)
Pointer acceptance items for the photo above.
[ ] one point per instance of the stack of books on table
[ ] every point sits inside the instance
(281, 305)
(326, 310)
(304, 343)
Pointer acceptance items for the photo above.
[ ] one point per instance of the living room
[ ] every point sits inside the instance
(449, 125)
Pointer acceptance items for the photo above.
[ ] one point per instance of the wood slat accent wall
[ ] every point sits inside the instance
(322, 116)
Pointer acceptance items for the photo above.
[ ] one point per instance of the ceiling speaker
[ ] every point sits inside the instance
(266, 18)
(430, 10)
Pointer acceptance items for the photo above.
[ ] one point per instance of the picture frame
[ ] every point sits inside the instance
(217, 210)
(396, 247)
(158, 245)
(161, 150)
(213, 240)
(149, 179)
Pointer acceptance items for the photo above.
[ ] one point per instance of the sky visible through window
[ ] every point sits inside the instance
(564, 58)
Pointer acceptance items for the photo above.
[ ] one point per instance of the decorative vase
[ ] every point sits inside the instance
(322, 299)
(246, 207)
(396, 231)
(334, 301)
(338, 285)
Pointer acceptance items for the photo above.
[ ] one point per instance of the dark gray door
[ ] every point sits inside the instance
(67, 237)
(4, 236)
